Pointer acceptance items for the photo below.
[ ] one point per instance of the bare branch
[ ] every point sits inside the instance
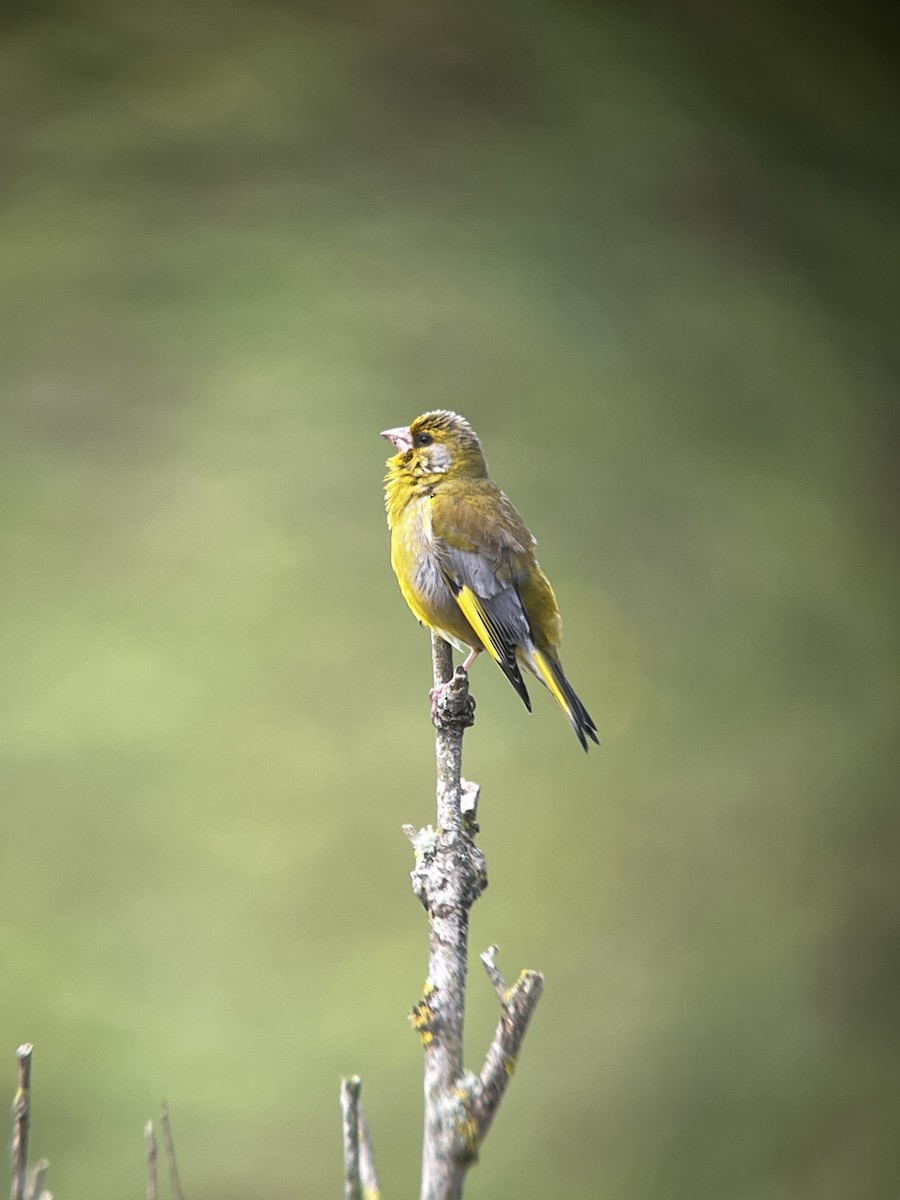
(174, 1181)
(518, 1004)
(441, 660)
(367, 1173)
(360, 1178)
(350, 1086)
(152, 1156)
(36, 1178)
(21, 1111)
(448, 877)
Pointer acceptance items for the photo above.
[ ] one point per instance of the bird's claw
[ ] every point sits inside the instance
(451, 711)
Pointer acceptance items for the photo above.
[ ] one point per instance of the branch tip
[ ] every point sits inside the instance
(152, 1152)
(35, 1188)
(489, 958)
(169, 1143)
(360, 1178)
(21, 1112)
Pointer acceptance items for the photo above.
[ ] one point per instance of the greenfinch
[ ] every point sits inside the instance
(465, 560)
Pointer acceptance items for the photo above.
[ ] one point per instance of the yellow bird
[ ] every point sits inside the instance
(465, 560)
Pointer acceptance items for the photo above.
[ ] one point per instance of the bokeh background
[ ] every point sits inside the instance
(651, 252)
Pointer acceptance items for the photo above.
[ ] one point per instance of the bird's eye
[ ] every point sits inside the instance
(424, 439)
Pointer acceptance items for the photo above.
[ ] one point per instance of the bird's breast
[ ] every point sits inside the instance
(413, 551)
(416, 562)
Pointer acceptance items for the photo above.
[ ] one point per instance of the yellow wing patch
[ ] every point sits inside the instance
(474, 612)
(544, 672)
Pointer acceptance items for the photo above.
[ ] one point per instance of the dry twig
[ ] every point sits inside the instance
(21, 1111)
(368, 1176)
(174, 1181)
(518, 1004)
(36, 1177)
(448, 878)
(360, 1179)
(152, 1155)
(350, 1085)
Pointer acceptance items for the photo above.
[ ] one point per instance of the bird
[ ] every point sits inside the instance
(465, 560)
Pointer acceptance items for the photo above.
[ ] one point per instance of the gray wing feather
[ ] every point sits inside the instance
(499, 596)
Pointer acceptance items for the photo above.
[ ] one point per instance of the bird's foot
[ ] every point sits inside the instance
(435, 695)
(451, 704)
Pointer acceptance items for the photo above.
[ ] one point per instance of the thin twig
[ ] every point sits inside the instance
(518, 1004)
(152, 1156)
(368, 1176)
(350, 1086)
(21, 1111)
(174, 1181)
(36, 1177)
(489, 958)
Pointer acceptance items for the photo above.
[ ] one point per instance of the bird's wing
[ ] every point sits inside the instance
(479, 560)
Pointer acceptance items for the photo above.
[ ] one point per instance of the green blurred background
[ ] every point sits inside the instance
(650, 252)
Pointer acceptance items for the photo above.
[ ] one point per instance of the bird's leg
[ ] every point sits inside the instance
(470, 658)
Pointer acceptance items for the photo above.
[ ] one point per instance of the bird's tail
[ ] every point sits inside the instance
(549, 671)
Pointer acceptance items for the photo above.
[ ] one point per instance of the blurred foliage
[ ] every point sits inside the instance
(651, 253)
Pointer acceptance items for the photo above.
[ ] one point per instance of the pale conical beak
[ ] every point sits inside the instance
(401, 437)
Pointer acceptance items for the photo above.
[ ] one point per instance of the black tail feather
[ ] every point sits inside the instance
(582, 721)
(510, 669)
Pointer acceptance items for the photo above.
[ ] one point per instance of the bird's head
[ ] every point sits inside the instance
(438, 444)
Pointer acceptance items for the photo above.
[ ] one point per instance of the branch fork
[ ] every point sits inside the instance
(448, 876)
(517, 1004)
